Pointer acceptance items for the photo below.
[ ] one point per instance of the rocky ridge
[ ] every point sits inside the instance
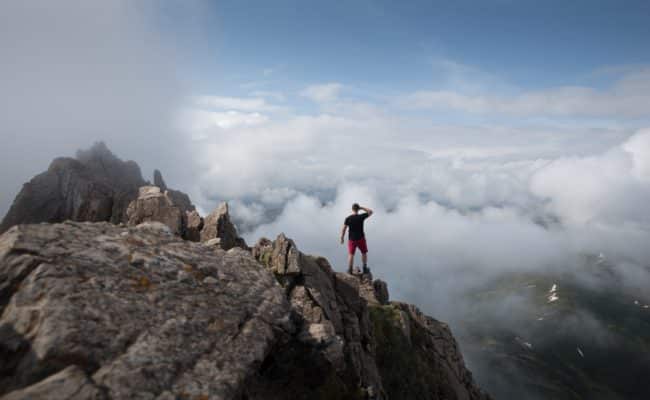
(99, 311)
(131, 313)
(164, 304)
(97, 186)
(94, 186)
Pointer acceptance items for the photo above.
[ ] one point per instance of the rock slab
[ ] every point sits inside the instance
(131, 313)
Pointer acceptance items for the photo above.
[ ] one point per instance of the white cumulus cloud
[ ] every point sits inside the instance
(322, 93)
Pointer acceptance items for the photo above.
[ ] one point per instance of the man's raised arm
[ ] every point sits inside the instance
(367, 210)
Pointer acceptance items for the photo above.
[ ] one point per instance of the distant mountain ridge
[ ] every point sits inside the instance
(583, 334)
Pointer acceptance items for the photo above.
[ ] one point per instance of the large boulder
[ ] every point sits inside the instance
(154, 205)
(219, 230)
(93, 311)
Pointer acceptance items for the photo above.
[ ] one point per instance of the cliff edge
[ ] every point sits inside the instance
(100, 311)
(146, 299)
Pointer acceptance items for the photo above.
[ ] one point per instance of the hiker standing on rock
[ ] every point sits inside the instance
(356, 237)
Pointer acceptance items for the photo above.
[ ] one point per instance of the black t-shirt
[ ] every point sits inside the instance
(355, 226)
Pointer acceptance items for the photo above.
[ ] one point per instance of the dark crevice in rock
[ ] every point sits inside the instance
(15, 351)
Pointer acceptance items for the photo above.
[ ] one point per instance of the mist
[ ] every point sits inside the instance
(75, 72)
(432, 251)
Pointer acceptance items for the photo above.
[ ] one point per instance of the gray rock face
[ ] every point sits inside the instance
(194, 226)
(418, 357)
(170, 207)
(341, 325)
(99, 311)
(71, 383)
(154, 205)
(375, 292)
(217, 225)
(380, 291)
(94, 186)
(443, 352)
(92, 311)
(334, 345)
(158, 180)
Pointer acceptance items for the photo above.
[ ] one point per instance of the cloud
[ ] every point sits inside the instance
(436, 242)
(465, 166)
(638, 147)
(233, 103)
(201, 123)
(610, 188)
(270, 94)
(628, 96)
(77, 72)
(322, 93)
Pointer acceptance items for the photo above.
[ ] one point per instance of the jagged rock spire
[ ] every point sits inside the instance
(219, 229)
(158, 180)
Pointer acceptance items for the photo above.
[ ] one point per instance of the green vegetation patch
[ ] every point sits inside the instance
(407, 369)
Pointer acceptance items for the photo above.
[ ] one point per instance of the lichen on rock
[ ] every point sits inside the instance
(108, 301)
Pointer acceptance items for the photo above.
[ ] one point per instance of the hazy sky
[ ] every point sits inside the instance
(484, 133)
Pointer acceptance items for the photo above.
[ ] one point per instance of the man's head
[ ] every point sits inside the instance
(355, 207)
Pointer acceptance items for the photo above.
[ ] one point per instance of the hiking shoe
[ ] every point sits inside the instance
(366, 270)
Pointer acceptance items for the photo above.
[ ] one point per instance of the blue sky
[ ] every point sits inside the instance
(392, 46)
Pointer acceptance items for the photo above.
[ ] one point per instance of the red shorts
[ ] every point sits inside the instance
(361, 244)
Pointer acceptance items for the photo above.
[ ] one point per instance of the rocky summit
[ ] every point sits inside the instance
(100, 311)
(146, 299)
(98, 186)
(94, 186)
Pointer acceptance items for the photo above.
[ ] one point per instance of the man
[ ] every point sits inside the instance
(356, 237)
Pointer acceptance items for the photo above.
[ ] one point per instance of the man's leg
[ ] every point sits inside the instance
(351, 249)
(364, 255)
(350, 262)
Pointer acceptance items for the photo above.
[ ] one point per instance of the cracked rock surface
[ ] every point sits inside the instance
(93, 310)
(351, 342)
(99, 311)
